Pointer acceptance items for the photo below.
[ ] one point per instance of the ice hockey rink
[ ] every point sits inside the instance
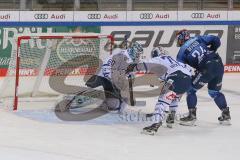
(40, 135)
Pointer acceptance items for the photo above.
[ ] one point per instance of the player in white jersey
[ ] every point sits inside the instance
(177, 78)
(112, 75)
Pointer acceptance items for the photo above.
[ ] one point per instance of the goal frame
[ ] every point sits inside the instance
(21, 37)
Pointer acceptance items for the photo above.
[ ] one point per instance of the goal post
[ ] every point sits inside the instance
(36, 57)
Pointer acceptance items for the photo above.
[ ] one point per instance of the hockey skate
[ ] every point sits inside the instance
(149, 115)
(151, 130)
(190, 119)
(225, 118)
(170, 119)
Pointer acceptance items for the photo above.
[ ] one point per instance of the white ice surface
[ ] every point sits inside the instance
(40, 135)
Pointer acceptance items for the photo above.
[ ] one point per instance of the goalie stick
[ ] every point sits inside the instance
(130, 78)
(67, 105)
(130, 83)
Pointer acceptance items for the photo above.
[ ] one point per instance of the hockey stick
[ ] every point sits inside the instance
(69, 102)
(130, 78)
(130, 83)
(64, 105)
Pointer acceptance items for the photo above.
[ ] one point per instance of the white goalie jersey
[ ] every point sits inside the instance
(114, 68)
(118, 61)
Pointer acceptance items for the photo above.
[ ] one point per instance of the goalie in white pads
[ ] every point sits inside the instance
(112, 76)
(177, 78)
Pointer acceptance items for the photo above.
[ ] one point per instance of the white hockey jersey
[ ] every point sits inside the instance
(170, 63)
(116, 64)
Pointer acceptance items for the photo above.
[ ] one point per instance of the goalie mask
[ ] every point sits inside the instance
(135, 51)
(182, 37)
(158, 51)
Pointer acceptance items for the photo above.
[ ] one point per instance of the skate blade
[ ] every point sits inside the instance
(152, 133)
(225, 123)
(170, 125)
(192, 123)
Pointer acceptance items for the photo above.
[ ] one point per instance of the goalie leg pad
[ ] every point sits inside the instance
(111, 91)
(94, 81)
(111, 104)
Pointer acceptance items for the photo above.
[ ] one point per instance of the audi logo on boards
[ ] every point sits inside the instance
(146, 16)
(197, 15)
(94, 16)
(41, 16)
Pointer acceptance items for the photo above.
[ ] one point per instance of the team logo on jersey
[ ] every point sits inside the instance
(171, 96)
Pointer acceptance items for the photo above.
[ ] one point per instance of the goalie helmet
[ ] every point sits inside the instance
(135, 51)
(182, 37)
(158, 51)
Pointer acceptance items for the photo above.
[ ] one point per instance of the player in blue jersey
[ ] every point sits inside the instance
(200, 52)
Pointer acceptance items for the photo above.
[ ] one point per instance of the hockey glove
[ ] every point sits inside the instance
(130, 68)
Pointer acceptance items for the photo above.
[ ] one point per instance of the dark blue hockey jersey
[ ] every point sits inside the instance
(198, 50)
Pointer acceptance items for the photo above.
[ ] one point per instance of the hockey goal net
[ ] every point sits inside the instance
(67, 57)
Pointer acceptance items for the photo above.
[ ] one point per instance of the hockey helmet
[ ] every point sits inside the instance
(158, 51)
(182, 37)
(135, 51)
